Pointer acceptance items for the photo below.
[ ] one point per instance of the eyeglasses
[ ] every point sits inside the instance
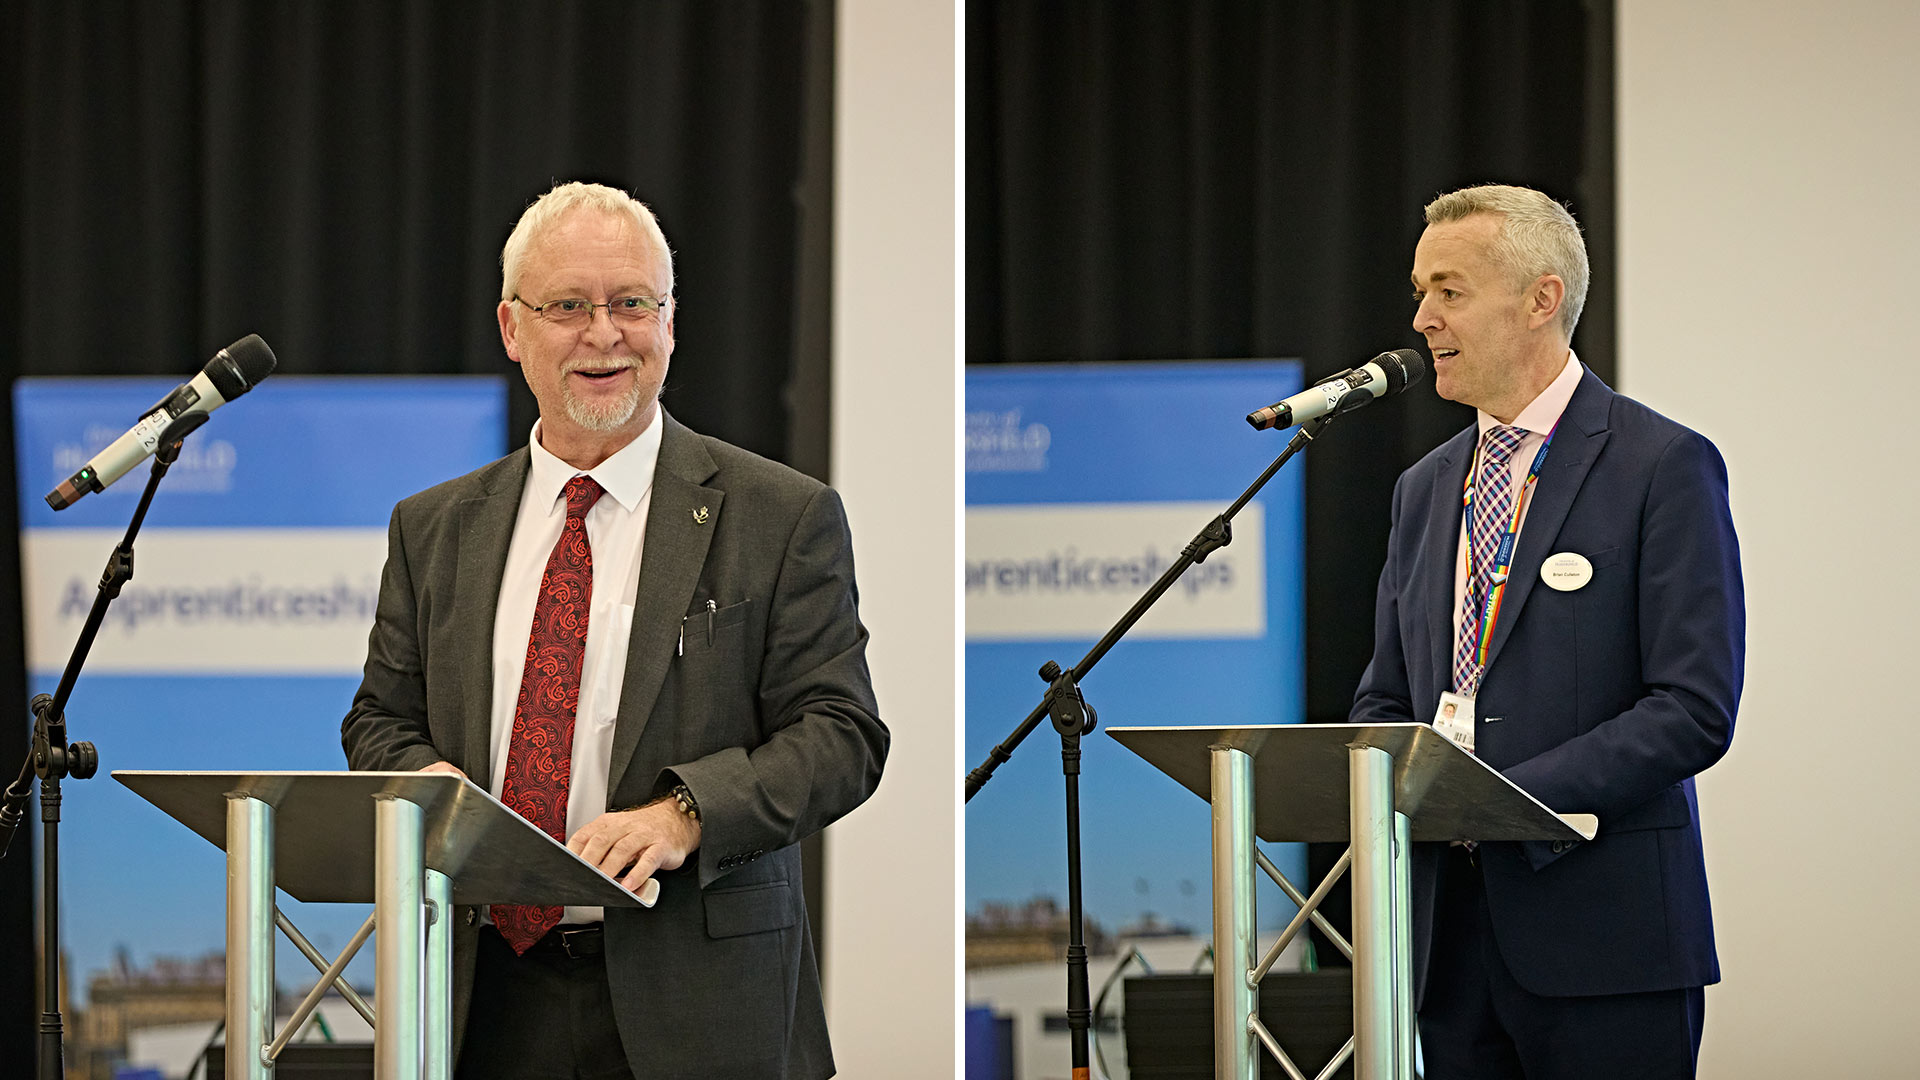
(577, 311)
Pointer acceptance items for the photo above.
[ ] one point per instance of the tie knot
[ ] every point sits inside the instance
(1501, 442)
(582, 492)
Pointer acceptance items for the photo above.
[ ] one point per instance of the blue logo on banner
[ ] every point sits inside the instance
(328, 452)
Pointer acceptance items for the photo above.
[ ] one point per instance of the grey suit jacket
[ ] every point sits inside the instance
(769, 719)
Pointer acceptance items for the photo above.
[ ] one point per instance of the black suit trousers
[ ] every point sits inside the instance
(540, 1016)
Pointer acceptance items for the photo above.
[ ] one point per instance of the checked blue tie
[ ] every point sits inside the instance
(1493, 495)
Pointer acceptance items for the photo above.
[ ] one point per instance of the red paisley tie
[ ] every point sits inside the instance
(540, 759)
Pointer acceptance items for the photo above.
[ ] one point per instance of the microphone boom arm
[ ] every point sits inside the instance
(1216, 534)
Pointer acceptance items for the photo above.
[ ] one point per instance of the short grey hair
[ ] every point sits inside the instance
(1537, 236)
(548, 209)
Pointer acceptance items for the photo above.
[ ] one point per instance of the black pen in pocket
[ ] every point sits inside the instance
(680, 649)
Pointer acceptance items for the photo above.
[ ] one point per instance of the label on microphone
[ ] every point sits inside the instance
(1334, 391)
(148, 430)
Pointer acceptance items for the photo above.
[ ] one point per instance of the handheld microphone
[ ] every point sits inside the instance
(233, 371)
(1383, 376)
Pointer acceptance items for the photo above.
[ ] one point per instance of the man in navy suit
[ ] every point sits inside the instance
(1565, 576)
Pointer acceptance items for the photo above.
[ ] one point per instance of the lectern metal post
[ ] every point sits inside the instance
(438, 1021)
(249, 936)
(1402, 946)
(1370, 804)
(399, 936)
(1234, 998)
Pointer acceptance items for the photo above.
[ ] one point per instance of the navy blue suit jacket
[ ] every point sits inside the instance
(1605, 700)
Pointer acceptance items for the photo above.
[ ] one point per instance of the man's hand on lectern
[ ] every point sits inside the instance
(657, 836)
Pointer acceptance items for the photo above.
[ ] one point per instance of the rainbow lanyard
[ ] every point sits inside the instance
(1503, 558)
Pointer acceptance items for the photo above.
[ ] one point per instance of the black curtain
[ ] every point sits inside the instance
(339, 177)
(1159, 180)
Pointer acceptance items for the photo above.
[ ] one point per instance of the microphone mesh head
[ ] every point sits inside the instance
(253, 358)
(241, 365)
(1407, 365)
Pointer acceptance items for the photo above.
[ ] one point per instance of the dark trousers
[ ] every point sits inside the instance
(1477, 1022)
(542, 1016)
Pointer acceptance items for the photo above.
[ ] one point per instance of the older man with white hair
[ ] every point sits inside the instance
(1562, 596)
(692, 699)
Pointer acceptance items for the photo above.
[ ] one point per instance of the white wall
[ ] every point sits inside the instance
(891, 919)
(1769, 168)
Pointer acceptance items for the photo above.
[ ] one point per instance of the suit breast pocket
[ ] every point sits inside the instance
(710, 628)
(713, 686)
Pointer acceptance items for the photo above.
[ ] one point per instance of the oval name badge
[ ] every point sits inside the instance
(1566, 571)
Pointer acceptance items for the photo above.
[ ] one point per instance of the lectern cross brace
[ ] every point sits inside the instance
(413, 947)
(1379, 859)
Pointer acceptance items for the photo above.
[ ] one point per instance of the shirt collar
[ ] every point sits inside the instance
(1543, 412)
(626, 476)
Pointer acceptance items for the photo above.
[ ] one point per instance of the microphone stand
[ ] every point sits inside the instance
(1073, 717)
(53, 758)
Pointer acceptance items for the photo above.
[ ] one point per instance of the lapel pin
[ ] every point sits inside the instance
(700, 516)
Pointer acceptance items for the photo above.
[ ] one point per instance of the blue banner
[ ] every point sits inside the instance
(239, 642)
(1084, 482)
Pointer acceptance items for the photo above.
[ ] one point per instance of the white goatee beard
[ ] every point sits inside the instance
(611, 416)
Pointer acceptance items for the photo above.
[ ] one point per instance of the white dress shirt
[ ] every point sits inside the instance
(616, 528)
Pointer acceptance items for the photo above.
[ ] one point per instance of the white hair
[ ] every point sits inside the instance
(1537, 236)
(548, 209)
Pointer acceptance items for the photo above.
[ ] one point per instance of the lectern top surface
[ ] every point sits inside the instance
(323, 834)
(1300, 781)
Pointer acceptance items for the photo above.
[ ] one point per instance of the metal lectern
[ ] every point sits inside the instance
(412, 843)
(1380, 787)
